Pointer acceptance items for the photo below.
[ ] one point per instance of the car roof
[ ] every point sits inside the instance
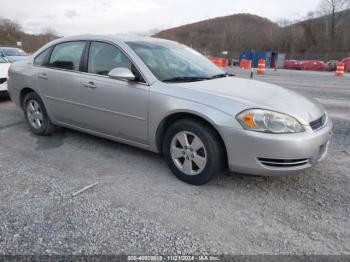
(121, 40)
(116, 39)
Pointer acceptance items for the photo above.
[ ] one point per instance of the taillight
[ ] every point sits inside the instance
(9, 72)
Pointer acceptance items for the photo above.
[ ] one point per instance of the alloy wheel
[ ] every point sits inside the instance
(34, 114)
(188, 153)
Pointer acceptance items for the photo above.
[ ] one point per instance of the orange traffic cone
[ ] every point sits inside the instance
(246, 64)
(261, 67)
(340, 69)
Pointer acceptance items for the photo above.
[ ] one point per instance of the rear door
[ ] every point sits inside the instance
(59, 82)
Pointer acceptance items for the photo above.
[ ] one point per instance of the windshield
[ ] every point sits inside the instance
(14, 52)
(173, 61)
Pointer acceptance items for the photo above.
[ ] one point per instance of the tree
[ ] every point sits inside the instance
(331, 7)
(9, 27)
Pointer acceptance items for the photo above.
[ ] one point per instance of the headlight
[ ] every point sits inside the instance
(261, 120)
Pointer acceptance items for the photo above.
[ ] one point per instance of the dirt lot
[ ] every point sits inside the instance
(139, 207)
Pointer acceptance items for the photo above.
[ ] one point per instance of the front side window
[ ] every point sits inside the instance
(67, 55)
(40, 59)
(104, 57)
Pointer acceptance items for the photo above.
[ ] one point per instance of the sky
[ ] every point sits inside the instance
(73, 17)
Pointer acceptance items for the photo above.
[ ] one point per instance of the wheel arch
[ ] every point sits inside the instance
(25, 91)
(173, 117)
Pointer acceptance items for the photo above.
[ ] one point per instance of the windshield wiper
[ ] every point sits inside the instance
(186, 79)
(221, 75)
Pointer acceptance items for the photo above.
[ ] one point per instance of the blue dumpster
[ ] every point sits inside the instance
(255, 56)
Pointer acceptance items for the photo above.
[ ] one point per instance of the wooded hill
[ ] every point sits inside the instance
(234, 33)
(10, 33)
(240, 32)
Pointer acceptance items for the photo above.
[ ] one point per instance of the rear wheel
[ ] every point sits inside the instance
(193, 151)
(36, 115)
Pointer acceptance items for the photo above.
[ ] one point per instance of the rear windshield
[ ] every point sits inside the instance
(14, 52)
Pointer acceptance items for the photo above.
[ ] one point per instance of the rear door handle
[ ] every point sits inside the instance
(90, 85)
(43, 76)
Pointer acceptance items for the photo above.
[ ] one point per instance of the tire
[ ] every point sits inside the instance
(211, 149)
(34, 109)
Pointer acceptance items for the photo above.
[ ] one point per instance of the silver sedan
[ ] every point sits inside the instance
(165, 97)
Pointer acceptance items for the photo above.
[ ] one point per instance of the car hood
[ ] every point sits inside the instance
(16, 58)
(256, 94)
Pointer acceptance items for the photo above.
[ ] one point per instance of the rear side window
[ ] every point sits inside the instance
(39, 60)
(104, 57)
(67, 55)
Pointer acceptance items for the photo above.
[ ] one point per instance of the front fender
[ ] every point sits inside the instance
(162, 106)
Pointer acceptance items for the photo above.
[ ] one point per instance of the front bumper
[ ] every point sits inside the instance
(275, 154)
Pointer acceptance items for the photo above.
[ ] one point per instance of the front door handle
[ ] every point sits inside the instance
(43, 76)
(90, 85)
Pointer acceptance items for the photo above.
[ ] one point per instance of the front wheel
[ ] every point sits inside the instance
(193, 151)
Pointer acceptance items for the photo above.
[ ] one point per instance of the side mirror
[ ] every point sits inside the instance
(121, 73)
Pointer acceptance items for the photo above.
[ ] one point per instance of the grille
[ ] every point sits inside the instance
(319, 123)
(3, 80)
(283, 162)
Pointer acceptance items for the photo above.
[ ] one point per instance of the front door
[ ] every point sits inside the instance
(115, 107)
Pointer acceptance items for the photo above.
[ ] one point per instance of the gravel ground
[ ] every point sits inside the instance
(139, 207)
